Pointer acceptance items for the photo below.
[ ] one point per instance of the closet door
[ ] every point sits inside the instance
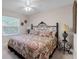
(75, 16)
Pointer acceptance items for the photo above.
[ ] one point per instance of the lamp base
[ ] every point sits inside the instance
(65, 34)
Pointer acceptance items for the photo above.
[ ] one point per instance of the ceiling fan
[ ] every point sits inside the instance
(28, 5)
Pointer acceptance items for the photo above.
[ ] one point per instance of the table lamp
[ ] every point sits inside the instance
(65, 36)
(65, 31)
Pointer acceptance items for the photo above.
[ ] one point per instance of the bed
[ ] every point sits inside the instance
(40, 43)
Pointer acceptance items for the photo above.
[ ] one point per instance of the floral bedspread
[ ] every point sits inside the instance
(33, 46)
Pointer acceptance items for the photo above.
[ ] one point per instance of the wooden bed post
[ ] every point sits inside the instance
(57, 33)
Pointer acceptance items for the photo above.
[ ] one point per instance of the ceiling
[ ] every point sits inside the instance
(40, 5)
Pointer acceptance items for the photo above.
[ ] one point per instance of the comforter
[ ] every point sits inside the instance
(33, 46)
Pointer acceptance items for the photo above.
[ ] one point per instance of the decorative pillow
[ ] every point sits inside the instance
(45, 34)
(34, 32)
(53, 34)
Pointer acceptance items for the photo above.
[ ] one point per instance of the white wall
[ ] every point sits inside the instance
(16, 15)
(75, 46)
(62, 15)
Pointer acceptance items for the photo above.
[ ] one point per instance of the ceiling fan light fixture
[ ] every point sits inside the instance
(28, 8)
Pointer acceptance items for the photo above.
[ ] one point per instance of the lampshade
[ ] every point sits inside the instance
(65, 28)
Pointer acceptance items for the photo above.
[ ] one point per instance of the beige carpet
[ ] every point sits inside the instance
(6, 54)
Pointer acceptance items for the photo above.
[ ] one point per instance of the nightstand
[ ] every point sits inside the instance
(65, 46)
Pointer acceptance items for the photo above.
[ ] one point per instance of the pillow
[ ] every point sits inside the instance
(53, 34)
(45, 34)
(34, 32)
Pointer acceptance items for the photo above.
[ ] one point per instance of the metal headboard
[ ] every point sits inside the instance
(42, 24)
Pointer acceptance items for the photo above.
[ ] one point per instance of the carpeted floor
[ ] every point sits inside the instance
(6, 54)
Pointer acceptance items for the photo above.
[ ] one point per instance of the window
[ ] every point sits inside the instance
(10, 25)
